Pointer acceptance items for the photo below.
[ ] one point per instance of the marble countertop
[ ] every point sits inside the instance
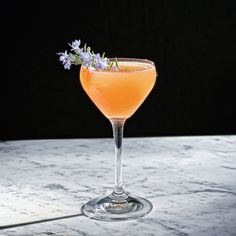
(191, 182)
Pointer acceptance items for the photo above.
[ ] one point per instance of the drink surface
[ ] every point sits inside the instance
(118, 94)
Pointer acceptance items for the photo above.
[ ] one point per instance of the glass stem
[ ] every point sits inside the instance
(117, 126)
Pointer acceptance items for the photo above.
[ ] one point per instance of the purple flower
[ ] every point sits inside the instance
(100, 63)
(66, 59)
(67, 65)
(75, 46)
(86, 58)
(83, 56)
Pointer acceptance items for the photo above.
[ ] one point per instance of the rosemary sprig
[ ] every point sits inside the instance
(84, 56)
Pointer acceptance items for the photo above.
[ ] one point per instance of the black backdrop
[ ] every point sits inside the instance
(192, 43)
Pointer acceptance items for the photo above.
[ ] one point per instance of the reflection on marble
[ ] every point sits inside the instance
(191, 182)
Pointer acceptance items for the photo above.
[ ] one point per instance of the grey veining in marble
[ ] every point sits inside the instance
(191, 182)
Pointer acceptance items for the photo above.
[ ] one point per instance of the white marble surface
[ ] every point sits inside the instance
(191, 182)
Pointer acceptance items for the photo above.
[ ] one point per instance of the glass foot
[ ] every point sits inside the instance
(107, 209)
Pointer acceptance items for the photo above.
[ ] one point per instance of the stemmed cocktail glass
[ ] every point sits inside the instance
(118, 94)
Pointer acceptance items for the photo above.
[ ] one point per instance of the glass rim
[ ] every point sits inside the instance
(128, 59)
(133, 59)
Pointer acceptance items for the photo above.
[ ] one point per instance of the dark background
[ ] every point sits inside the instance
(191, 42)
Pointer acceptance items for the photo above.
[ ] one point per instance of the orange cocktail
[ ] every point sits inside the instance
(117, 87)
(119, 93)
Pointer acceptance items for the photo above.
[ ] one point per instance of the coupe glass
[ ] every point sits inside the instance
(118, 94)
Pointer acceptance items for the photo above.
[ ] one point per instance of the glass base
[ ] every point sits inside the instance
(108, 209)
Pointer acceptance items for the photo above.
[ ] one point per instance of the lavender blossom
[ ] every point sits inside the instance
(75, 46)
(66, 59)
(100, 63)
(86, 58)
